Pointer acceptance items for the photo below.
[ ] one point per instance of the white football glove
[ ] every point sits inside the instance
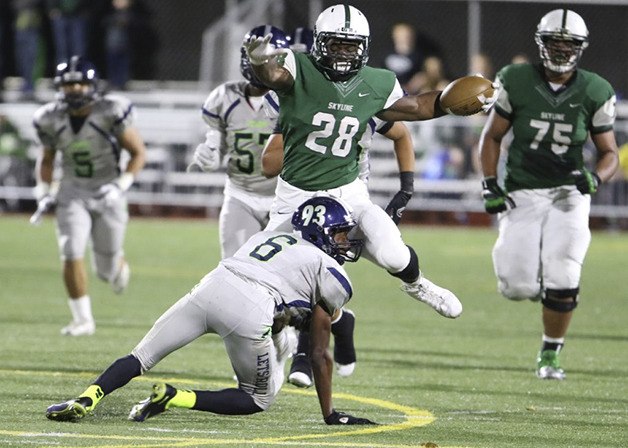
(109, 194)
(206, 157)
(260, 50)
(489, 102)
(41, 190)
(46, 202)
(43, 205)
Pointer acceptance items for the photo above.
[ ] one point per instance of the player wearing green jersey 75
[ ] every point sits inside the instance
(326, 99)
(552, 108)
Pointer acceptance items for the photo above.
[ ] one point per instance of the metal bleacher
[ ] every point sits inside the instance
(170, 122)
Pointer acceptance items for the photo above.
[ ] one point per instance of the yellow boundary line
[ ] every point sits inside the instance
(413, 418)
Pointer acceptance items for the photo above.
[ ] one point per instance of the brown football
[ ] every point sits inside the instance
(460, 97)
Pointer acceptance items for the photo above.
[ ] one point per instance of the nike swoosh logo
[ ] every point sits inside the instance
(362, 94)
(573, 105)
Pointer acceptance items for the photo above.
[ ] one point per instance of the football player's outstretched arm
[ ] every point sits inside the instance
(273, 75)
(424, 106)
(263, 58)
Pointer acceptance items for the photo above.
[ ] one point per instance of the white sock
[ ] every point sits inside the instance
(81, 309)
(559, 341)
(553, 340)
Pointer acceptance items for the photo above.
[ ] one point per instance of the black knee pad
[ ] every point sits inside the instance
(553, 299)
(411, 272)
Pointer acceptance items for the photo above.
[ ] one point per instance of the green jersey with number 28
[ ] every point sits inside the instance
(323, 123)
(550, 128)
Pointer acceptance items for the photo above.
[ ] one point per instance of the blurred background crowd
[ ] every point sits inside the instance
(35, 35)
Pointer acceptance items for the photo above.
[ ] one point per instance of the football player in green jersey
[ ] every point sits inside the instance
(326, 100)
(343, 324)
(543, 205)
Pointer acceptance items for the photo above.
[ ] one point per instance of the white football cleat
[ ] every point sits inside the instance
(443, 301)
(345, 369)
(121, 281)
(300, 379)
(86, 328)
(301, 371)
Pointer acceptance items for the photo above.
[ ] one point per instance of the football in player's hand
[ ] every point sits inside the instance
(464, 96)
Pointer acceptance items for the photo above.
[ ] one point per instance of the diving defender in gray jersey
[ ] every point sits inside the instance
(87, 132)
(271, 281)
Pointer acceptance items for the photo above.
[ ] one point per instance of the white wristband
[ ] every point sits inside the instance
(125, 181)
(41, 189)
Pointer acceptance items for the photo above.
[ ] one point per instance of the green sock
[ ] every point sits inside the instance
(183, 399)
(95, 393)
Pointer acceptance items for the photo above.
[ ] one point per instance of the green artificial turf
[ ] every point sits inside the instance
(428, 380)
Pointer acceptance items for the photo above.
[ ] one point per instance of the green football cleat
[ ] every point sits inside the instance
(157, 403)
(548, 366)
(70, 411)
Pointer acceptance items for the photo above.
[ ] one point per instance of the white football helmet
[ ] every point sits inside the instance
(341, 42)
(561, 36)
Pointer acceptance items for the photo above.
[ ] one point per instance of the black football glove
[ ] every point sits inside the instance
(495, 198)
(397, 205)
(340, 418)
(587, 182)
